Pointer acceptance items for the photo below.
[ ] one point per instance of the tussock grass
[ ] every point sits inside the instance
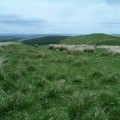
(39, 83)
(111, 79)
(78, 80)
(79, 62)
(97, 74)
(79, 105)
(2, 76)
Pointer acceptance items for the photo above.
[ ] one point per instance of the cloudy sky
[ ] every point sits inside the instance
(59, 16)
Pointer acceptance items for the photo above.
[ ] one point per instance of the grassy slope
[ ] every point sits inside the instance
(39, 84)
(95, 39)
(45, 40)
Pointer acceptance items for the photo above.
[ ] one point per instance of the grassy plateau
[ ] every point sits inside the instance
(37, 83)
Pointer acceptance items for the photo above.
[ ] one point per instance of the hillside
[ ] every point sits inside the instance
(45, 40)
(37, 83)
(93, 39)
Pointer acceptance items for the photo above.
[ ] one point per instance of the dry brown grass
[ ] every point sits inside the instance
(114, 50)
(73, 48)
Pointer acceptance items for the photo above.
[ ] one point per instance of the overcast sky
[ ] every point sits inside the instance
(59, 16)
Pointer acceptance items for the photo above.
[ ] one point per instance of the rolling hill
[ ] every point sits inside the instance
(45, 40)
(93, 39)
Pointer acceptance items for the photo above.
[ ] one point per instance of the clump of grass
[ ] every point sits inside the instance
(79, 105)
(56, 60)
(95, 113)
(110, 104)
(70, 58)
(2, 76)
(97, 74)
(15, 75)
(41, 82)
(56, 113)
(111, 79)
(79, 62)
(31, 68)
(78, 79)
(8, 85)
(55, 94)
(42, 55)
(55, 89)
(1, 49)
(62, 76)
(2, 73)
(50, 75)
(13, 103)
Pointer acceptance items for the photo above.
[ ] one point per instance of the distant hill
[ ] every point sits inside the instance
(19, 37)
(94, 39)
(45, 40)
(9, 38)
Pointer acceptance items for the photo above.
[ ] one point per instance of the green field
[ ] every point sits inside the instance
(41, 84)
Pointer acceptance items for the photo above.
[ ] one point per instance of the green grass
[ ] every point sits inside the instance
(93, 39)
(40, 84)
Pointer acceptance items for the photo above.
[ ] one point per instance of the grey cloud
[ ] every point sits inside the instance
(17, 20)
